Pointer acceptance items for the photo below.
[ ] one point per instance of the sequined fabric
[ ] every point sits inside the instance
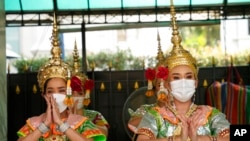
(162, 127)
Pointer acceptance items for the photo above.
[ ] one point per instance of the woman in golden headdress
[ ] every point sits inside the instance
(156, 87)
(57, 123)
(182, 120)
(81, 87)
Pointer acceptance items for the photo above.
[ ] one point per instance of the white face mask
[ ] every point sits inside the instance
(59, 98)
(79, 100)
(183, 89)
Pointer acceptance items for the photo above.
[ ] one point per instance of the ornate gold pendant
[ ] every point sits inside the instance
(55, 138)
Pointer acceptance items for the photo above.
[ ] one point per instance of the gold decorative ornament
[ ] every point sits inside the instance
(205, 83)
(119, 86)
(34, 89)
(178, 55)
(55, 67)
(102, 87)
(136, 85)
(160, 56)
(160, 62)
(76, 65)
(18, 89)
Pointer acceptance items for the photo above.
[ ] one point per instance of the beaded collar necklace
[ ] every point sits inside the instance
(192, 108)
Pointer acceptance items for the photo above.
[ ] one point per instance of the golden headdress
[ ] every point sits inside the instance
(76, 65)
(151, 73)
(178, 55)
(160, 56)
(55, 67)
(80, 81)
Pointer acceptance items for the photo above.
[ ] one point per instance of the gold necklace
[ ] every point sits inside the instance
(191, 110)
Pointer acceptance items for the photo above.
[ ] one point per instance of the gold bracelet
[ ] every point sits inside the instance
(43, 128)
(224, 133)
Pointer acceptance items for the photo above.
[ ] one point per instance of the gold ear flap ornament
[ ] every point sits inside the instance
(162, 74)
(69, 101)
(88, 86)
(150, 75)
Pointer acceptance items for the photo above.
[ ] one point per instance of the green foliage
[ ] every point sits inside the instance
(202, 42)
(25, 65)
(118, 60)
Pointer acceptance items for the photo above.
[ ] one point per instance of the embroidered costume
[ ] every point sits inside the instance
(56, 68)
(96, 117)
(161, 122)
(79, 123)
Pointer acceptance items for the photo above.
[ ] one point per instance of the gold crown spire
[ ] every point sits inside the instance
(178, 55)
(76, 65)
(55, 67)
(160, 57)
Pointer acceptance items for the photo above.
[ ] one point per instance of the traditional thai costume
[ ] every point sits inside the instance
(162, 122)
(80, 124)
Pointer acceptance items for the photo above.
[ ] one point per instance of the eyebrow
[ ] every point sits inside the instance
(185, 74)
(189, 73)
(51, 88)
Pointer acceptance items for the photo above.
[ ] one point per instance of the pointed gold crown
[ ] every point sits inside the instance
(76, 65)
(160, 56)
(55, 67)
(149, 74)
(178, 55)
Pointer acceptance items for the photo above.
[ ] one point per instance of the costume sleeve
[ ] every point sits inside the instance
(148, 126)
(96, 117)
(24, 131)
(89, 130)
(218, 122)
(140, 111)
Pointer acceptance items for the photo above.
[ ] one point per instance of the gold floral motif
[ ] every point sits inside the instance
(147, 132)
(55, 138)
(224, 133)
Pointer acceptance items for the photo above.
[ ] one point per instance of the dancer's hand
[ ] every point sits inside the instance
(55, 112)
(48, 117)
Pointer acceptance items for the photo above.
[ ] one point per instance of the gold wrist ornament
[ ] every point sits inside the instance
(63, 127)
(43, 128)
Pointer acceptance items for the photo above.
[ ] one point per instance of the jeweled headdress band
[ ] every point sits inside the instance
(55, 67)
(178, 55)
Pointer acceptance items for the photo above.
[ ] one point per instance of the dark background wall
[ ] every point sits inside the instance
(24, 99)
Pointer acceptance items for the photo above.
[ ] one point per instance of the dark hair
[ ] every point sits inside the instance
(45, 86)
